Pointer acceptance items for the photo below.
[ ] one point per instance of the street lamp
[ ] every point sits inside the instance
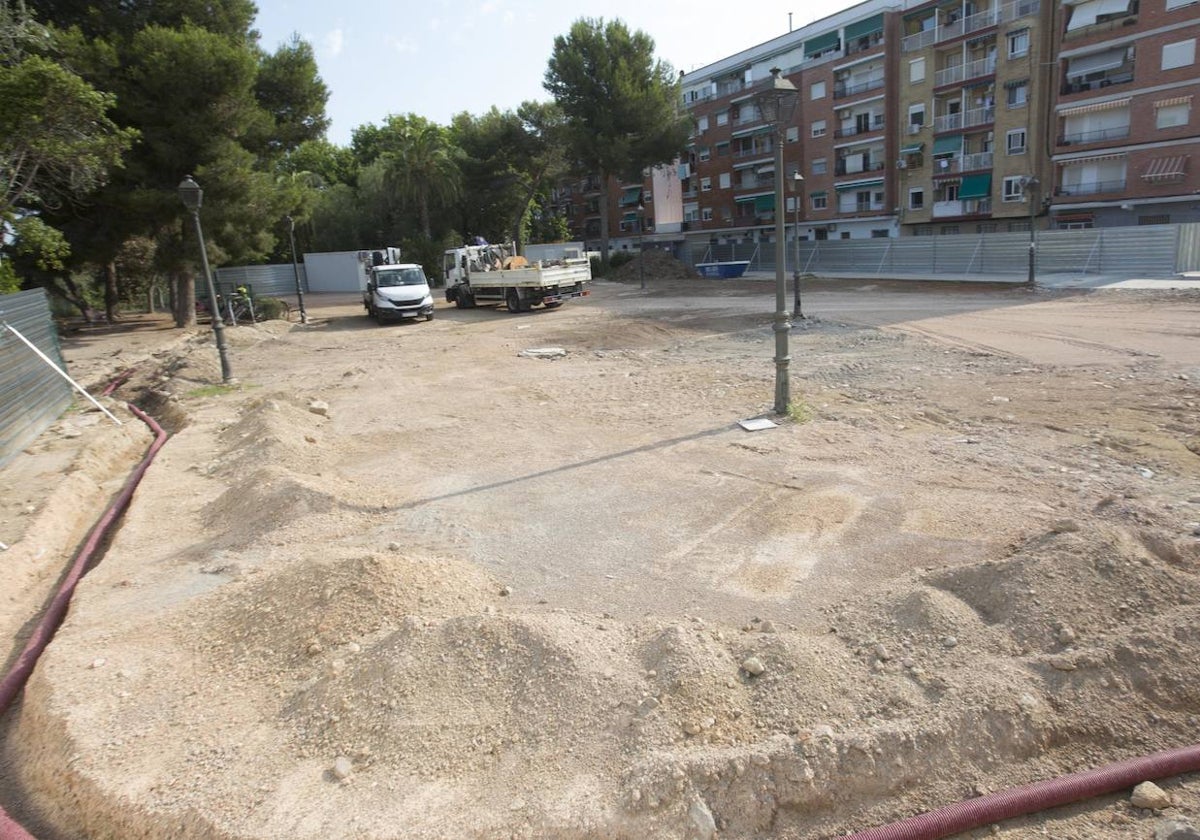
(191, 195)
(798, 186)
(776, 102)
(1028, 183)
(296, 269)
(641, 215)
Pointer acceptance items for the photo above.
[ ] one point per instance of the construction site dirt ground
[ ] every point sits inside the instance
(411, 581)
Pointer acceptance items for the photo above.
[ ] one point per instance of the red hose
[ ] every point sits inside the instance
(1038, 796)
(16, 677)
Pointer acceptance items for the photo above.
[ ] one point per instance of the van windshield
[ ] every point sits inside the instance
(400, 277)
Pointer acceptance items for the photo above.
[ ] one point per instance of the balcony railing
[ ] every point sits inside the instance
(969, 70)
(973, 23)
(967, 207)
(758, 151)
(842, 90)
(964, 119)
(1091, 187)
(966, 163)
(1097, 136)
(726, 88)
(1120, 76)
(840, 168)
(876, 125)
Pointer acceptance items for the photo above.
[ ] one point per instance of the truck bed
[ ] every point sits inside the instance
(573, 272)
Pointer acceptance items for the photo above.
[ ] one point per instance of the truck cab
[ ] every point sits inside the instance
(399, 291)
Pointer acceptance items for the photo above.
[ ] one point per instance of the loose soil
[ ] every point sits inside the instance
(407, 582)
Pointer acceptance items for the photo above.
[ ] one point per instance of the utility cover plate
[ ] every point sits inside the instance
(757, 424)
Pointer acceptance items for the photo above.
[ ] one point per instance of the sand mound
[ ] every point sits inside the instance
(655, 264)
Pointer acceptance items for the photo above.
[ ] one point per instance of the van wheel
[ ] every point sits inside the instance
(429, 317)
(513, 301)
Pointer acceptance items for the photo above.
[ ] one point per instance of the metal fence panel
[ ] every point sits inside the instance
(1148, 251)
(263, 280)
(32, 396)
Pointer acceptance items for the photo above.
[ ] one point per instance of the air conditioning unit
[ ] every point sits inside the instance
(902, 164)
(914, 129)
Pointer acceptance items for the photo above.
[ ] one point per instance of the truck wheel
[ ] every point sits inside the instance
(513, 301)
(460, 302)
(553, 305)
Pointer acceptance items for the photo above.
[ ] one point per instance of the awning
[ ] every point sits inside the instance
(859, 185)
(629, 217)
(912, 148)
(1174, 100)
(948, 145)
(747, 199)
(1092, 159)
(1085, 14)
(978, 185)
(764, 203)
(631, 195)
(818, 45)
(1095, 106)
(1166, 168)
(817, 194)
(865, 27)
(1096, 62)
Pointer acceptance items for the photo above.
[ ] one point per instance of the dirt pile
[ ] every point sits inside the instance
(654, 264)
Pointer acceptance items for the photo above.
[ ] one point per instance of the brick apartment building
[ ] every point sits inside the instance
(934, 118)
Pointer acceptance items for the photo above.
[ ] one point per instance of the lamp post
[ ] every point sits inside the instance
(1028, 183)
(296, 269)
(775, 102)
(798, 186)
(191, 195)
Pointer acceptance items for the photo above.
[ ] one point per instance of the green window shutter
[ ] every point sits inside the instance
(814, 46)
(976, 186)
(864, 27)
(947, 145)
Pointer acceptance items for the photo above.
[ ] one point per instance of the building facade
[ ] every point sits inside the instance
(933, 118)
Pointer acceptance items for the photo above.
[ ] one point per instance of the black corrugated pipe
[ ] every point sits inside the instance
(1038, 796)
(16, 677)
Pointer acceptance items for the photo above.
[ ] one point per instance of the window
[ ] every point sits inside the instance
(879, 234)
(949, 230)
(702, 124)
(1018, 227)
(1172, 116)
(706, 214)
(1179, 54)
(1178, 4)
(817, 90)
(985, 227)
(705, 184)
(1018, 43)
(1018, 94)
(647, 197)
(1013, 189)
(722, 118)
(916, 198)
(819, 202)
(792, 134)
(923, 230)
(722, 149)
(1014, 142)
(916, 116)
(916, 70)
(724, 180)
(703, 153)
(819, 166)
(818, 128)
(1154, 220)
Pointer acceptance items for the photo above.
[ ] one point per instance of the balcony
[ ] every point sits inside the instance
(969, 163)
(763, 150)
(956, 28)
(864, 44)
(969, 24)
(1091, 187)
(964, 119)
(968, 207)
(841, 90)
(854, 130)
(728, 87)
(840, 168)
(1122, 75)
(961, 72)
(1103, 23)
(1097, 136)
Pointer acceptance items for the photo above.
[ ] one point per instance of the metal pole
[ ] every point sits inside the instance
(797, 312)
(218, 324)
(641, 252)
(296, 269)
(782, 325)
(1032, 240)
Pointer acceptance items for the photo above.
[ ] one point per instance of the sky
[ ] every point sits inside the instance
(437, 58)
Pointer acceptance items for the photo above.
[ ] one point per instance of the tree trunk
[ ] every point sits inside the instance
(184, 284)
(110, 291)
(70, 293)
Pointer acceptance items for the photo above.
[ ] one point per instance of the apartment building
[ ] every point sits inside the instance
(1126, 143)
(934, 118)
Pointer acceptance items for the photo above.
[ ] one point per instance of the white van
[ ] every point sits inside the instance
(398, 291)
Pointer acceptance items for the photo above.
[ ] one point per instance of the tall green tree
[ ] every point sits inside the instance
(622, 106)
(422, 166)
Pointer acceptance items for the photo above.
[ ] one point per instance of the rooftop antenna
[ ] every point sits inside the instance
(789, 21)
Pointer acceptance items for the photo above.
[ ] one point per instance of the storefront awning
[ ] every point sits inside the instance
(978, 185)
(1166, 168)
(912, 148)
(631, 195)
(948, 145)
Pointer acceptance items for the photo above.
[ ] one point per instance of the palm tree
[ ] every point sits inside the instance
(423, 169)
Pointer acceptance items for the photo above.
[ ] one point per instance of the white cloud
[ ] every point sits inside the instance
(335, 41)
(401, 45)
